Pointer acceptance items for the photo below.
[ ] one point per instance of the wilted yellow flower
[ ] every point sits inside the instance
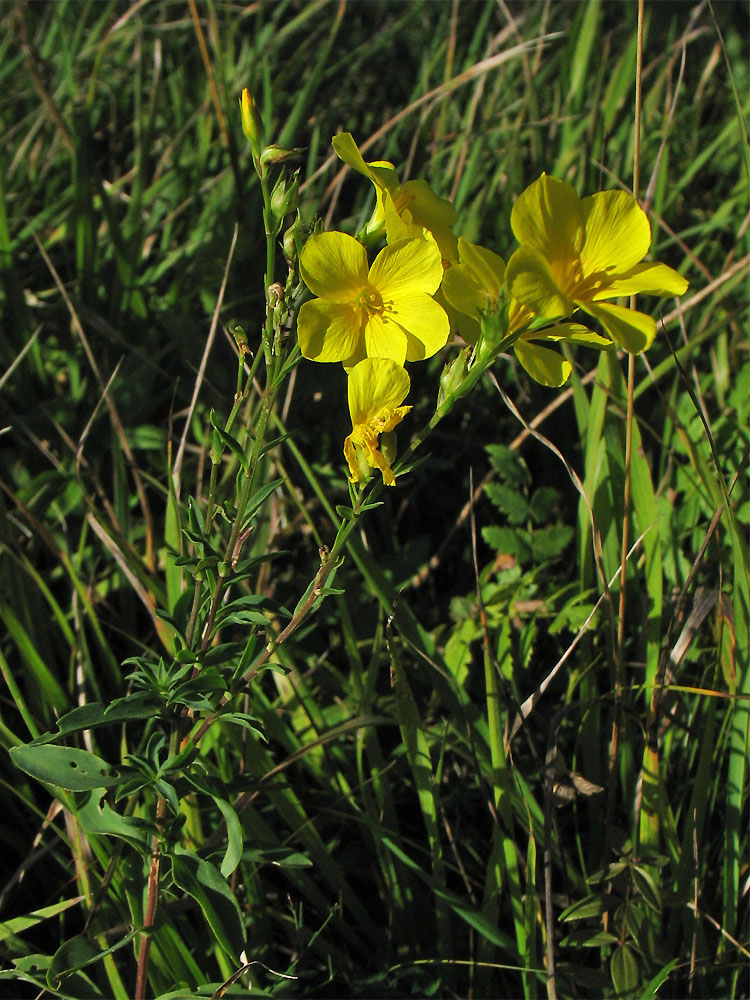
(575, 253)
(377, 387)
(403, 210)
(384, 312)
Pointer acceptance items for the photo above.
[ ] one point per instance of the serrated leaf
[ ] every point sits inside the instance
(548, 543)
(508, 542)
(66, 767)
(651, 988)
(508, 465)
(509, 502)
(542, 503)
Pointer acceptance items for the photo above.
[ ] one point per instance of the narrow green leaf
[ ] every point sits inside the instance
(78, 952)
(18, 925)
(233, 853)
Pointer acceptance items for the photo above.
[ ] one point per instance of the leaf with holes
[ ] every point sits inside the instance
(76, 770)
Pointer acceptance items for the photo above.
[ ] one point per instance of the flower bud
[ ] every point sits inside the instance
(240, 337)
(289, 242)
(453, 375)
(272, 155)
(252, 123)
(285, 195)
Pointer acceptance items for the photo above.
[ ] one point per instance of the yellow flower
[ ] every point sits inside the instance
(377, 387)
(475, 285)
(403, 210)
(386, 312)
(575, 253)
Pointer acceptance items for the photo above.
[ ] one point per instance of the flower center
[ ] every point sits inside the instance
(370, 303)
(575, 286)
(402, 201)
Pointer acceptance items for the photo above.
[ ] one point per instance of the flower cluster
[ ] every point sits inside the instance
(426, 284)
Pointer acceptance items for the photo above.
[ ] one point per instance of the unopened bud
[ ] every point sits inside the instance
(252, 123)
(240, 337)
(289, 243)
(278, 154)
(285, 196)
(453, 375)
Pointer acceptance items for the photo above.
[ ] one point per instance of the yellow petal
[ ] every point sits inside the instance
(407, 267)
(486, 266)
(651, 279)
(327, 331)
(380, 172)
(425, 323)
(548, 217)
(545, 366)
(530, 280)
(376, 384)
(433, 213)
(618, 233)
(463, 291)
(574, 333)
(334, 266)
(351, 457)
(378, 460)
(384, 338)
(631, 329)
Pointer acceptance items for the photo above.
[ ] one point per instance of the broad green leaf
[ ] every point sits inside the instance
(67, 767)
(102, 819)
(140, 705)
(202, 881)
(624, 970)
